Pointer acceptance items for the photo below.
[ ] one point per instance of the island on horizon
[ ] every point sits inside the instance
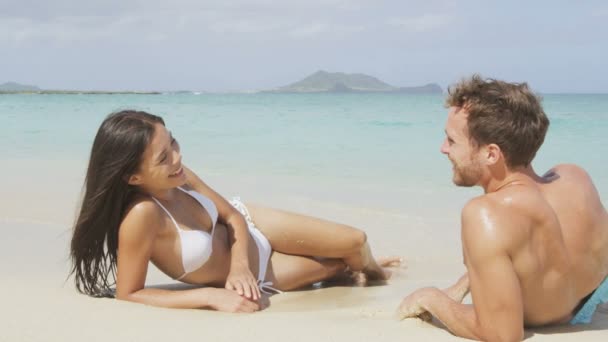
(17, 88)
(339, 82)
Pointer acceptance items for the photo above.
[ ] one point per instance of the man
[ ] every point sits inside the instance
(535, 247)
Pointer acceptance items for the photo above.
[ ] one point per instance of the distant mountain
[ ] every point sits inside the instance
(431, 88)
(339, 82)
(16, 87)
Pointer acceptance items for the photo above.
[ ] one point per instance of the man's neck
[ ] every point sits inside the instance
(515, 176)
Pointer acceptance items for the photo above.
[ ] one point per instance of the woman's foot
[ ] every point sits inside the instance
(378, 270)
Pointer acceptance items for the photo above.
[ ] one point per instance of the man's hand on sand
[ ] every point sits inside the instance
(411, 305)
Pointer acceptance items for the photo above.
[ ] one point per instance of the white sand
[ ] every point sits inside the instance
(38, 304)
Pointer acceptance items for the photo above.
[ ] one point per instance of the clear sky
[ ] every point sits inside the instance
(556, 46)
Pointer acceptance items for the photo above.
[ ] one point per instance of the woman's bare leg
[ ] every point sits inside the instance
(296, 234)
(289, 272)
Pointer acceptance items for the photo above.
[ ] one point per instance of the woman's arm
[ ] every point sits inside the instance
(240, 278)
(135, 242)
(206, 297)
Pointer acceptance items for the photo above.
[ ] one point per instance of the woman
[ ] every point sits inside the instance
(142, 204)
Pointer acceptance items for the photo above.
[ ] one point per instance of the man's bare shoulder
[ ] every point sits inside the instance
(481, 217)
(568, 172)
(490, 220)
(572, 182)
(498, 206)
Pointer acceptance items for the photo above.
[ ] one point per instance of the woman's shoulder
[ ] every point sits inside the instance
(142, 215)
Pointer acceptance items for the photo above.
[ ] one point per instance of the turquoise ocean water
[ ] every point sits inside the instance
(375, 143)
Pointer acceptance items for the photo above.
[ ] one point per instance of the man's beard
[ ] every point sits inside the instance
(466, 175)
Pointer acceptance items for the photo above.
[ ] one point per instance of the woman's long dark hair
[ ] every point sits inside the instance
(116, 154)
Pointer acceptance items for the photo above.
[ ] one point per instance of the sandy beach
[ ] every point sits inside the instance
(39, 303)
(334, 109)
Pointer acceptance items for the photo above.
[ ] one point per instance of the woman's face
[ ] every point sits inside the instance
(161, 165)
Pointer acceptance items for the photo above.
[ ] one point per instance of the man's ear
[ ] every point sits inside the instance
(493, 154)
(134, 179)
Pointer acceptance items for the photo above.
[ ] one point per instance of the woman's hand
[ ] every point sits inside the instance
(230, 301)
(241, 280)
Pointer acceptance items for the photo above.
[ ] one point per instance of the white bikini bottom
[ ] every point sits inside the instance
(261, 241)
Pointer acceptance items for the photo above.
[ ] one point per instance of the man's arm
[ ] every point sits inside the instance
(487, 236)
(456, 293)
(459, 290)
(497, 311)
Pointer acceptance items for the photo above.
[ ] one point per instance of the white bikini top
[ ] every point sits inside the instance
(196, 245)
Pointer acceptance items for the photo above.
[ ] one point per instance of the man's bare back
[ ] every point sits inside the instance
(556, 233)
(584, 226)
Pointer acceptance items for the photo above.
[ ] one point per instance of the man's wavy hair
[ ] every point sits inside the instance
(509, 115)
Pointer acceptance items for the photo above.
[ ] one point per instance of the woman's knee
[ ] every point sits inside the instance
(356, 240)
